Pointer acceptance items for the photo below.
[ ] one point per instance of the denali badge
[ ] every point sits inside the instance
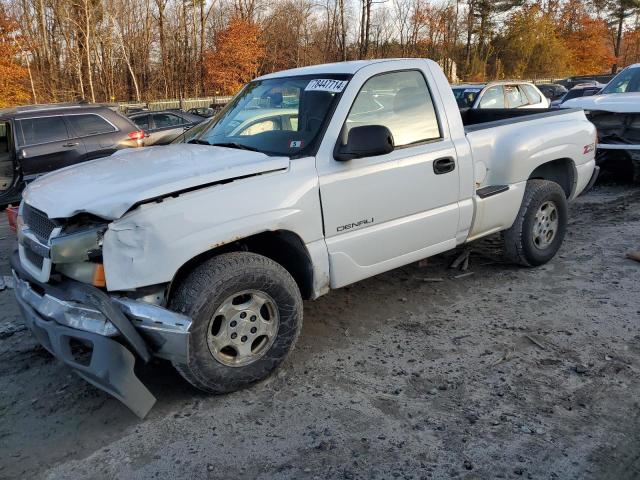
(349, 226)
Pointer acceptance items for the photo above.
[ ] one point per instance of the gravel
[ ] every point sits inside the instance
(393, 377)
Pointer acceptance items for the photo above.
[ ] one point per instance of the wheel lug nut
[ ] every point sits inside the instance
(244, 338)
(253, 318)
(243, 314)
(234, 335)
(233, 323)
(254, 330)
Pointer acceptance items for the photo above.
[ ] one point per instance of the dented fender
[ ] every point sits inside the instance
(148, 245)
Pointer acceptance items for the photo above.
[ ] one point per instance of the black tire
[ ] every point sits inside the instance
(519, 245)
(203, 292)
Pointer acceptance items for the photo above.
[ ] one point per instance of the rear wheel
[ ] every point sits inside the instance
(539, 229)
(247, 314)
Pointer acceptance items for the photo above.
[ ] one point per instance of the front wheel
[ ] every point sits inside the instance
(247, 314)
(539, 229)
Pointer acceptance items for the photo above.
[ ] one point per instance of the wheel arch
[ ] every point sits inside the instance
(282, 246)
(561, 171)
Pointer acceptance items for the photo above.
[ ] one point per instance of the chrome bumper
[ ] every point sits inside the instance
(65, 315)
(166, 332)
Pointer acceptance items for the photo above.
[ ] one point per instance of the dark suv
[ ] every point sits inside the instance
(39, 139)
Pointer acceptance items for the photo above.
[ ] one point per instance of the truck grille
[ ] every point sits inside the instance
(35, 259)
(38, 222)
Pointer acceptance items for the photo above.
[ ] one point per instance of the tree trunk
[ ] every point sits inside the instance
(87, 49)
(616, 50)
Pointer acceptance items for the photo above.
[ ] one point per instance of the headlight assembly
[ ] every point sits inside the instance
(76, 247)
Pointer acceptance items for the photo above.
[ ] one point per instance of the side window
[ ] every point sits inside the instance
(90, 124)
(515, 98)
(164, 120)
(42, 130)
(534, 96)
(401, 101)
(142, 121)
(492, 98)
(4, 138)
(266, 125)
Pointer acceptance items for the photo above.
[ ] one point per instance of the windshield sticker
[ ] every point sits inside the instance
(295, 144)
(326, 85)
(472, 90)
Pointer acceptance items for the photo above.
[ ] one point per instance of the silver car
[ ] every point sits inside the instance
(163, 127)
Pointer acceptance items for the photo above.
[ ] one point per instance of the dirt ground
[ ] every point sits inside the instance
(505, 373)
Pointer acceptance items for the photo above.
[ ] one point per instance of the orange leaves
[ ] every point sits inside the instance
(13, 76)
(235, 58)
(587, 39)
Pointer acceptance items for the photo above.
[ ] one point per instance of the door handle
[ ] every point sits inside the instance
(73, 144)
(444, 165)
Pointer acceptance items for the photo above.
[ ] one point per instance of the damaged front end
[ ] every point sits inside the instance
(98, 334)
(618, 149)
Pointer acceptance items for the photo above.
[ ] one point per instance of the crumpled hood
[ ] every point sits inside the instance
(612, 102)
(110, 186)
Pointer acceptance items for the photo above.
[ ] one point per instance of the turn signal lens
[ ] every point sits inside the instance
(98, 276)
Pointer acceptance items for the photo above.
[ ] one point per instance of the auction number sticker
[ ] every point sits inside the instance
(326, 85)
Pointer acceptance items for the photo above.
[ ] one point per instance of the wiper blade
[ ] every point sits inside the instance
(239, 146)
(198, 141)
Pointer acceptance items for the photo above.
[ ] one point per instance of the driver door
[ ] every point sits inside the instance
(385, 211)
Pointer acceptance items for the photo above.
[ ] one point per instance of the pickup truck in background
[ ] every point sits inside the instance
(202, 252)
(615, 111)
(500, 94)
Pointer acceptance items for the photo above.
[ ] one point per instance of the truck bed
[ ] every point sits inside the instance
(481, 119)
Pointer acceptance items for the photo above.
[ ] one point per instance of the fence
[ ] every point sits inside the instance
(182, 103)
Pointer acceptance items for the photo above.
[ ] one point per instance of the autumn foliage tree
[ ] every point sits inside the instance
(13, 76)
(235, 57)
(531, 45)
(587, 39)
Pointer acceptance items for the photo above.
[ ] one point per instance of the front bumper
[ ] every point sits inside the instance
(112, 331)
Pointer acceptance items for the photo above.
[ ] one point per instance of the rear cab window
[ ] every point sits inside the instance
(493, 98)
(515, 97)
(84, 125)
(400, 101)
(39, 130)
(534, 96)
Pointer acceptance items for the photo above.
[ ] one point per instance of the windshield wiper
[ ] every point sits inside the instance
(239, 146)
(198, 141)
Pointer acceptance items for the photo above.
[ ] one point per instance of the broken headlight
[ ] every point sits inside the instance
(80, 246)
(78, 255)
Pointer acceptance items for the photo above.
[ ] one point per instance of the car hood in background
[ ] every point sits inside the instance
(110, 186)
(611, 102)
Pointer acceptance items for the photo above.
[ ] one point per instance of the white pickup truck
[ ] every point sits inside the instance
(202, 252)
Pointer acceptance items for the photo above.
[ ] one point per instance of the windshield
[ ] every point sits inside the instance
(466, 96)
(626, 81)
(279, 116)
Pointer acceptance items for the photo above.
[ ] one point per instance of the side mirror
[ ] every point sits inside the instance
(365, 141)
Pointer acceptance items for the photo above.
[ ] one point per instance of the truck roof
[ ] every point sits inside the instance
(493, 82)
(348, 68)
